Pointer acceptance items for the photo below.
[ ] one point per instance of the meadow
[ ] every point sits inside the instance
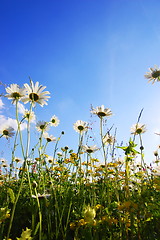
(72, 195)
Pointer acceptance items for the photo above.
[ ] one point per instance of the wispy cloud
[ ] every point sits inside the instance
(1, 103)
(21, 108)
(7, 121)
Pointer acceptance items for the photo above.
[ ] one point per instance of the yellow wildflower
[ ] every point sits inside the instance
(89, 214)
(26, 235)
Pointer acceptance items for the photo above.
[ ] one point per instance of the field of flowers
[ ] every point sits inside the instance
(72, 195)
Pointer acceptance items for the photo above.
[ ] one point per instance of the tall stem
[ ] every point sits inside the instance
(79, 149)
(28, 132)
(21, 182)
(101, 134)
(40, 215)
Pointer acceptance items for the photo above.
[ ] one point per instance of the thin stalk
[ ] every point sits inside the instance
(21, 182)
(27, 149)
(13, 151)
(56, 147)
(79, 153)
(28, 133)
(103, 146)
(127, 175)
(40, 215)
(142, 158)
(20, 133)
(14, 207)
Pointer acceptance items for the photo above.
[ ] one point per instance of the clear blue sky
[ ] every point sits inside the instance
(86, 52)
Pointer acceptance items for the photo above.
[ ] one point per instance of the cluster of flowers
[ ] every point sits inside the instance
(112, 201)
(34, 93)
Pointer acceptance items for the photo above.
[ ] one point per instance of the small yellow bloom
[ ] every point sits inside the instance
(98, 206)
(72, 225)
(82, 222)
(104, 218)
(26, 235)
(89, 214)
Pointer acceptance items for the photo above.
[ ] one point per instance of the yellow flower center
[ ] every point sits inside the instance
(89, 150)
(139, 131)
(48, 139)
(80, 128)
(101, 114)
(34, 97)
(27, 115)
(156, 74)
(16, 95)
(42, 127)
(5, 132)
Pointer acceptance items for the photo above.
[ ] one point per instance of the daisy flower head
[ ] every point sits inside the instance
(156, 170)
(5, 165)
(54, 121)
(29, 115)
(108, 139)
(7, 131)
(80, 126)
(90, 149)
(3, 160)
(35, 94)
(49, 138)
(42, 126)
(138, 128)
(50, 159)
(17, 159)
(15, 93)
(101, 111)
(59, 154)
(153, 75)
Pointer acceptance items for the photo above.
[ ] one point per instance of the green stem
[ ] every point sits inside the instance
(20, 133)
(143, 165)
(21, 183)
(40, 215)
(28, 133)
(103, 146)
(14, 206)
(13, 151)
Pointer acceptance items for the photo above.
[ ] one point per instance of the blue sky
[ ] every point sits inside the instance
(86, 52)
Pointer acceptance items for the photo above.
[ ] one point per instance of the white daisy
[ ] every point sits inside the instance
(7, 131)
(108, 139)
(3, 160)
(101, 111)
(153, 75)
(15, 93)
(156, 170)
(54, 121)
(80, 126)
(42, 126)
(29, 115)
(60, 154)
(17, 159)
(50, 159)
(35, 94)
(90, 149)
(48, 137)
(5, 165)
(138, 129)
